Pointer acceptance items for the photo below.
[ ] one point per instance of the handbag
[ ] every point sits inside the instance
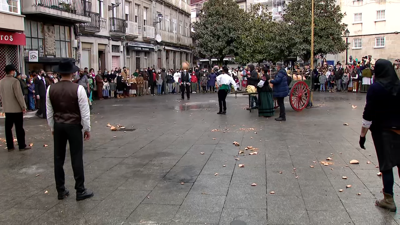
(261, 84)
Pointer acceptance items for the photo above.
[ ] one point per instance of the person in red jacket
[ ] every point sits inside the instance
(194, 83)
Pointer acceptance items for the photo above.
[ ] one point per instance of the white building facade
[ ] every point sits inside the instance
(374, 29)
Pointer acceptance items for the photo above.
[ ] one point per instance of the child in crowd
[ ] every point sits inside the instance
(345, 80)
(113, 88)
(140, 85)
(106, 89)
(120, 86)
(322, 81)
(159, 83)
(31, 94)
(203, 83)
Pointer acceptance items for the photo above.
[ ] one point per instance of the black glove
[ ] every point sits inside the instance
(362, 142)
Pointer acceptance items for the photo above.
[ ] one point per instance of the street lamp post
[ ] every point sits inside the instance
(346, 34)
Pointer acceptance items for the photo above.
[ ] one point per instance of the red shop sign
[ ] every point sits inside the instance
(10, 38)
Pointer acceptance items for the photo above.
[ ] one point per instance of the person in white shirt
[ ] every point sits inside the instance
(224, 82)
(177, 76)
(68, 115)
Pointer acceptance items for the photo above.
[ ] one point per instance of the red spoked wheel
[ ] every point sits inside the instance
(299, 96)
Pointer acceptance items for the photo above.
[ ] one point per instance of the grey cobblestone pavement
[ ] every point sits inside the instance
(179, 167)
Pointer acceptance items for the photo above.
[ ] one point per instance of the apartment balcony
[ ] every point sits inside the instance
(132, 29)
(175, 38)
(66, 10)
(149, 32)
(183, 40)
(117, 27)
(93, 26)
(179, 4)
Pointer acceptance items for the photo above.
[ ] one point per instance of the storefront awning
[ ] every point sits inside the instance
(140, 45)
(12, 38)
(177, 49)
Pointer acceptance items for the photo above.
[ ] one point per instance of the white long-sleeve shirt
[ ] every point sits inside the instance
(177, 75)
(83, 107)
(226, 79)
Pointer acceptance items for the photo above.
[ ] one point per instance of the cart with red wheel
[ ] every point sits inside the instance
(299, 94)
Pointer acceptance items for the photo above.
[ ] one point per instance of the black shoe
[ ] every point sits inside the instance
(280, 119)
(188, 99)
(219, 112)
(62, 195)
(83, 195)
(224, 112)
(10, 149)
(26, 148)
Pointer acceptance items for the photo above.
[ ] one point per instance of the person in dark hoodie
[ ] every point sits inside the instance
(382, 117)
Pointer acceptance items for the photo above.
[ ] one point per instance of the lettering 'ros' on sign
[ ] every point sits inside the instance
(10, 38)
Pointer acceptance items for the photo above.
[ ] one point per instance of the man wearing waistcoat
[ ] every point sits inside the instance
(68, 116)
(185, 81)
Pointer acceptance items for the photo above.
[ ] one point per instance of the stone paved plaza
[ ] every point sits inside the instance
(179, 166)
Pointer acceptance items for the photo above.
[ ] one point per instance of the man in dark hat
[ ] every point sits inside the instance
(68, 115)
(14, 107)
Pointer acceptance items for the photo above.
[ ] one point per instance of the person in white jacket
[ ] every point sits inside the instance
(177, 76)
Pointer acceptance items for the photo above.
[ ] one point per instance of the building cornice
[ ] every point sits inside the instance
(163, 2)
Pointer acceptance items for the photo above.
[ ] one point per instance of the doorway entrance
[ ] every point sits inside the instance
(102, 61)
(138, 62)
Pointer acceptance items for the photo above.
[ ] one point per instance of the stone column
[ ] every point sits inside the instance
(164, 59)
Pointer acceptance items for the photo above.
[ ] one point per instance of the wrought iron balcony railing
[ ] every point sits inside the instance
(117, 25)
(93, 26)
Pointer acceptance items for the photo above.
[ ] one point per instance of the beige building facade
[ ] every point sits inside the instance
(50, 32)
(374, 29)
(135, 34)
(12, 38)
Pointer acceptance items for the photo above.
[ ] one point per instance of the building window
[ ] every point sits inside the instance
(63, 41)
(187, 29)
(167, 24)
(379, 42)
(174, 26)
(34, 36)
(11, 6)
(159, 22)
(380, 15)
(180, 27)
(144, 16)
(127, 9)
(115, 48)
(357, 43)
(136, 13)
(357, 17)
(101, 8)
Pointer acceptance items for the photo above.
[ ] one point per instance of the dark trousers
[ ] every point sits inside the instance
(73, 134)
(152, 86)
(221, 99)
(18, 120)
(187, 88)
(42, 107)
(282, 113)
